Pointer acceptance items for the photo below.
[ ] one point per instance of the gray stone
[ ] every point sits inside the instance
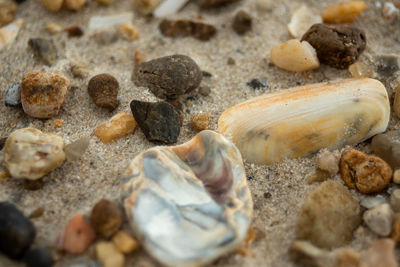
(13, 96)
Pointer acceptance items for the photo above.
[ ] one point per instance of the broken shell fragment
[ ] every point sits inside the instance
(302, 19)
(302, 120)
(188, 204)
(9, 33)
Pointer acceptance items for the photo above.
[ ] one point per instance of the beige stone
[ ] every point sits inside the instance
(54, 28)
(124, 242)
(128, 31)
(361, 70)
(75, 5)
(344, 12)
(395, 200)
(329, 161)
(396, 176)
(201, 121)
(109, 255)
(145, 7)
(302, 19)
(380, 254)
(118, 126)
(379, 219)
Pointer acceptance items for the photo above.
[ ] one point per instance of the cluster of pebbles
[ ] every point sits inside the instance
(190, 204)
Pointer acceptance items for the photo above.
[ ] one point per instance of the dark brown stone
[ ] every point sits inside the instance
(242, 22)
(106, 218)
(103, 89)
(185, 28)
(215, 3)
(337, 45)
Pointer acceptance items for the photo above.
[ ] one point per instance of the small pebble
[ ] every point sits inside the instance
(169, 77)
(396, 102)
(338, 46)
(79, 69)
(38, 257)
(138, 59)
(17, 232)
(184, 28)
(369, 174)
(13, 96)
(231, 61)
(124, 242)
(44, 49)
(370, 202)
(54, 28)
(257, 84)
(242, 22)
(33, 185)
(103, 89)
(118, 126)
(7, 12)
(302, 19)
(9, 32)
(109, 255)
(145, 7)
(53, 5)
(77, 236)
(76, 149)
(42, 94)
(106, 218)
(74, 31)
(215, 3)
(74, 5)
(129, 32)
(361, 70)
(318, 176)
(380, 254)
(396, 229)
(344, 12)
(31, 154)
(105, 2)
(159, 121)
(329, 161)
(204, 90)
(395, 200)
(390, 12)
(396, 177)
(387, 146)
(295, 56)
(36, 213)
(201, 121)
(379, 219)
(387, 65)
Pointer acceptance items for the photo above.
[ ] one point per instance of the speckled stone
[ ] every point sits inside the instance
(13, 96)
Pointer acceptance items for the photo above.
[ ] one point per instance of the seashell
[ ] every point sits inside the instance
(189, 204)
(302, 120)
(9, 33)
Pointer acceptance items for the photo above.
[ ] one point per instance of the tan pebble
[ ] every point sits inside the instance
(4, 175)
(396, 176)
(118, 126)
(361, 70)
(53, 5)
(265, 5)
(42, 94)
(396, 229)
(318, 176)
(138, 59)
(79, 69)
(295, 56)
(7, 12)
(395, 200)
(128, 31)
(145, 7)
(124, 242)
(9, 32)
(58, 123)
(109, 255)
(105, 2)
(396, 102)
(74, 5)
(329, 161)
(36, 213)
(201, 121)
(77, 236)
(106, 218)
(345, 12)
(54, 28)
(380, 254)
(369, 174)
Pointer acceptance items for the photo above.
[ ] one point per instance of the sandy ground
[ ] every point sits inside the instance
(278, 190)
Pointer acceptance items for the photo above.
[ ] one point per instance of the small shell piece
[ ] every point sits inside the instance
(345, 12)
(189, 204)
(9, 33)
(302, 19)
(302, 120)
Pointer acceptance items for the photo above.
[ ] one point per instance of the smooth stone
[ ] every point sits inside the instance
(318, 218)
(242, 22)
(188, 204)
(370, 202)
(17, 231)
(395, 200)
(13, 96)
(119, 125)
(379, 219)
(76, 149)
(44, 49)
(125, 242)
(106, 218)
(38, 257)
(380, 254)
(109, 255)
(387, 146)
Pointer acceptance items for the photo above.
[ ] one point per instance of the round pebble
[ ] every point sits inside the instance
(103, 89)
(106, 218)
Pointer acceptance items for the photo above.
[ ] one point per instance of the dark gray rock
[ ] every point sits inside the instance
(13, 96)
(38, 257)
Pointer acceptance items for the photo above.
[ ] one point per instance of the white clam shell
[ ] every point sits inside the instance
(302, 120)
(189, 204)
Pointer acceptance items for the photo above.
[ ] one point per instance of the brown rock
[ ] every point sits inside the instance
(242, 22)
(201, 121)
(338, 46)
(215, 3)
(369, 174)
(103, 89)
(106, 218)
(42, 94)
(7, 12)
(380, 254)
(184, 28)
(109, 255)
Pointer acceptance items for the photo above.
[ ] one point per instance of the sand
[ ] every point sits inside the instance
(278, 190)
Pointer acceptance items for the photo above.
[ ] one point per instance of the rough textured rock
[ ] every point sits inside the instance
(379, 219)
(17, 232)
(13, 96)
(343, 12)
(337, 45)
(103, 89)
(380, 254)
(317, 220)
(106, 218)
(31, 154)
(184, 28)
(76, 149)
(369, 174)
(44, 49)
(42, 94)
(242, 22)
(201, 121)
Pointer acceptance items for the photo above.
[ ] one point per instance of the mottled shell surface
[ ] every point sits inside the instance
(302, 120)
(188, 204)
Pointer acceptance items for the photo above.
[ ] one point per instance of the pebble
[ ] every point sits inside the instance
(105, 2)
(380, 254)
(31, 154)
(106, 218)
(54, 28)
(379, 219)
(396, 177)
(329, 161)
(74, 5)
(38, 212)
(338, 46)
(370, 202)
(74, 31)
(295, 56)
(242, 22)
(344, 12)
(396, 102)
(53, 5)
(77, 236)
(76, 149)
(159, 121)
(44, 49)
(396, 229)
(361, 70)
(387, 65)
(231, 61)
(129, 32)
(79, 69)
(124, 242)
(103, 89)
(302, 19)
(138, 59)
(390, 12)
(170, 76)
(38, 257)
(387, 146)
(145, 7)
(215, 3)
(42, 94)
(109, 255)
(369, 174)
(13, 96)
(204, 90)
(17, 232)
(395, 200)
(184, 28)
(118, 126)
(201, 121)
(7, 12)
(318, 218)
(258, 84)
(318, 176)
(9, 32)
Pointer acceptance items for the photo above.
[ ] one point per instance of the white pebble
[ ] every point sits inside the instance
(380, 219)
